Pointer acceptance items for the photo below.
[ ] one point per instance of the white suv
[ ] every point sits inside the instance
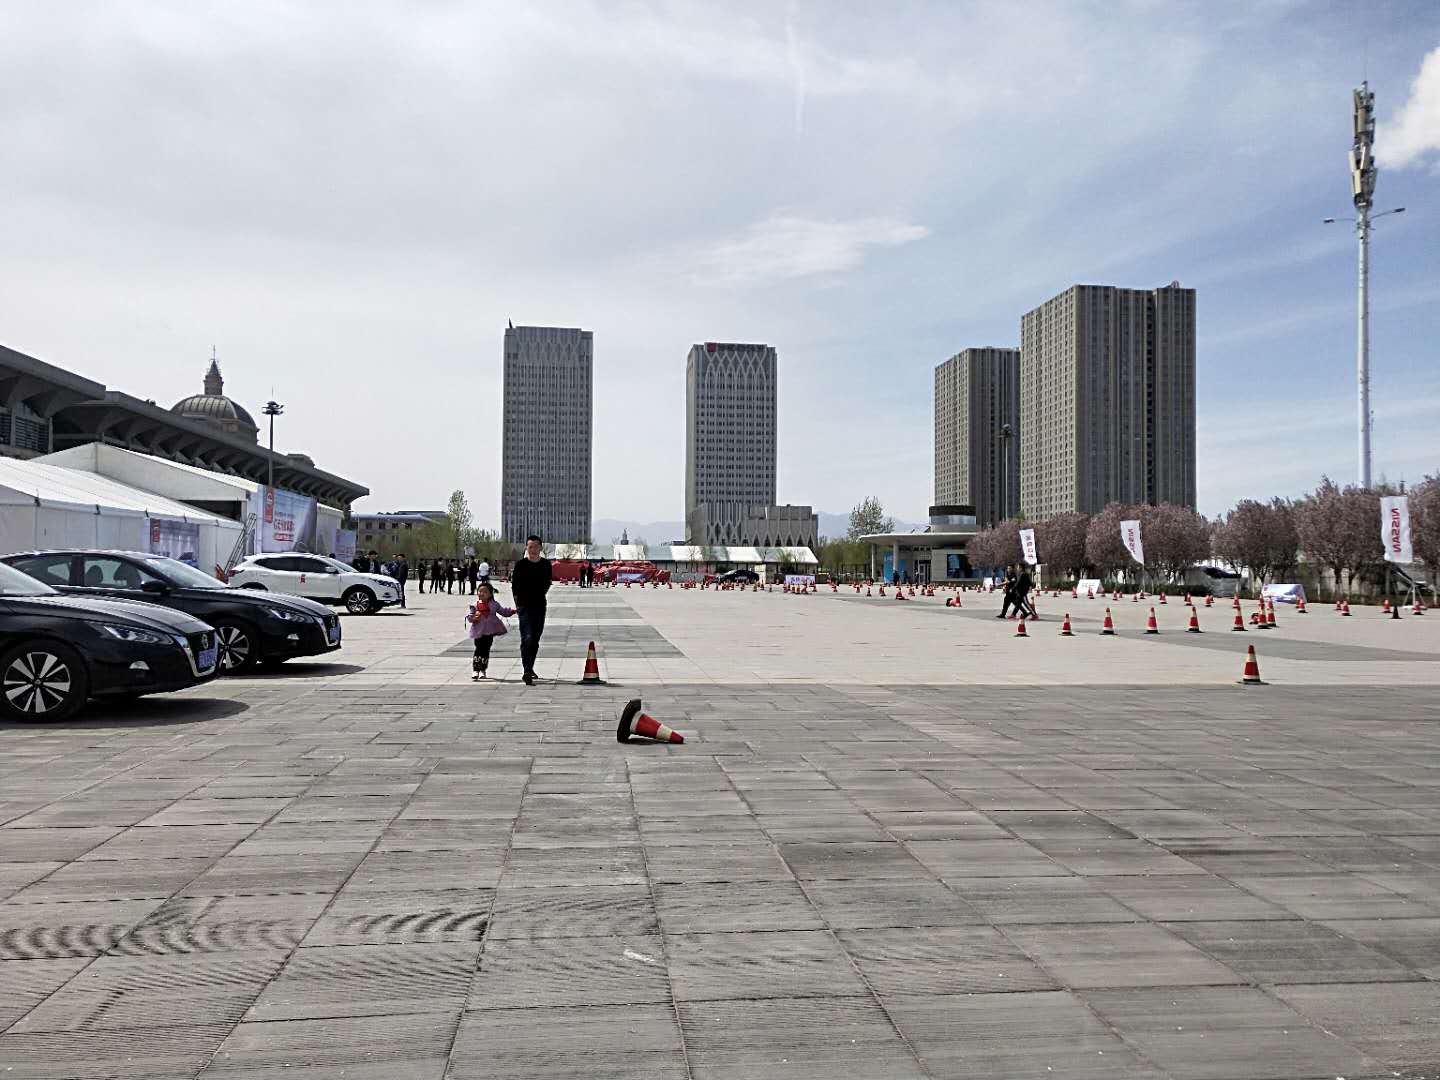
(317, 578)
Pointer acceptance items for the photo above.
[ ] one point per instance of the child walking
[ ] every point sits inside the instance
(485, 625)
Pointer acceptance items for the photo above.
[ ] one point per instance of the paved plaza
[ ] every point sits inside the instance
(897, 842)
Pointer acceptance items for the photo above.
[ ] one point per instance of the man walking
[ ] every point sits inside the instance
(529, 582)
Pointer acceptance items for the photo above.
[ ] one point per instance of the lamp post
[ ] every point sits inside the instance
(1362, 185)
(272, 409)
(1003, 436)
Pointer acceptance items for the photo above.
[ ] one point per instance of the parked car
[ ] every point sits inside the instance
(250, 627)
(315, 577)
(57, 651)
(738, 576)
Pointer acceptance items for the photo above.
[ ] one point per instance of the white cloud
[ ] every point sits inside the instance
(784, 246)
(1415, 130)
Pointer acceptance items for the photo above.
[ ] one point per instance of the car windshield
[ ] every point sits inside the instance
(183, 574)
(14, 583)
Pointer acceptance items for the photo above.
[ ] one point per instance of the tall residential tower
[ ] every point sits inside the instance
(730, 451)
(1107, 399)
(545, 471)
(977, 432)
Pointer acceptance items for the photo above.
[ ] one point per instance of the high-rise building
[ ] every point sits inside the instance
(545, 468)
(1107, 399)
(730, 450)
(977, 432)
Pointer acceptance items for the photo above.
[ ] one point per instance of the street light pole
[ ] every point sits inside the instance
(272, 409)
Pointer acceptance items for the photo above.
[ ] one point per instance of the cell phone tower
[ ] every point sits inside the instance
(1362, 189)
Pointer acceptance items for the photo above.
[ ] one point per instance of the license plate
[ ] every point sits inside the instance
(333, 633)
(206, 660)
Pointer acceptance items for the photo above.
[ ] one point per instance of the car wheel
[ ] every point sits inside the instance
(42, 680)
(239, 648)
(360, 601)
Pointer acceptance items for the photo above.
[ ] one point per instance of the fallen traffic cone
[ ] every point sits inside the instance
(1151, 626)
(1065, 627)
(1251, 674)
(591, 677)
(635, 722)
(1107, 627)
(1020, 628)
(1194, 627)
(1239, 623)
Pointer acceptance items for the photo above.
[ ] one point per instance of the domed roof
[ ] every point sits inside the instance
(213, 404)
(212, 407)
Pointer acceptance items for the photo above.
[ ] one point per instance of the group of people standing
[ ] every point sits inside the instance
(446, 574)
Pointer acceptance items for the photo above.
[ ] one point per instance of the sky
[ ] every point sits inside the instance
(349, 200)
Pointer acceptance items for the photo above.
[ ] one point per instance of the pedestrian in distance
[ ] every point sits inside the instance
(435, 576)
(485, 626)
(360, 563)
(420, 569)
(529, 582)
(400, 571)
(482, 572)
(472, 574)
(1011, 600)
(1023, 585)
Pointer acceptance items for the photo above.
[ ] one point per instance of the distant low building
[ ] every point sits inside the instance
(935, 554)
(374, 531)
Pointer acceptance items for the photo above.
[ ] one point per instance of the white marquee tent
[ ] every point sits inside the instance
(45, 506)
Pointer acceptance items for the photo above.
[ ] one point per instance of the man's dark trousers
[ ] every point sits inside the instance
(532, 626)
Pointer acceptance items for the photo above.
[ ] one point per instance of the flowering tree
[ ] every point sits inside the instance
(1103, 548)
(1425, 524)
(1061, 542)
(1175, 537)
(1259, 537)
(1340, 529)
(996, 546)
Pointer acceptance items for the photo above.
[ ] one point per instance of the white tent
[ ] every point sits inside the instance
(46, 506)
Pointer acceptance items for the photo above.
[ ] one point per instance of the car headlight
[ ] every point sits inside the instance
(135, 635)
(285, 615)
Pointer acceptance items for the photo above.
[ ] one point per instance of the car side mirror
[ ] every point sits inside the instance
(155, 587)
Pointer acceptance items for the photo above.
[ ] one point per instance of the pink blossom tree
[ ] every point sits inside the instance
(1340, 529)
(1061, 542)
(1425, 524)
(1259, 537)
(996, 546)
(1104, 549)
(1175, 538)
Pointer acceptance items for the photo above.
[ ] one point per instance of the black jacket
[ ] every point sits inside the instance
(530, 581)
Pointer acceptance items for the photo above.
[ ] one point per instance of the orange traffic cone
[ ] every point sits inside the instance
(635, 722)
(1107, 628)
(1236, 604)
(1194, 627)
(1151, 626)
(1270, 616)
(1386, 609)
(1089, 594)
(591, 677)
(1419, 608)
(1188, 601)
(1345, 607)
(1251, 674)
(1020, 628)
(1209, 601)
(1239, 623)
(1300, 606)
(1065, 627)
(1162, 599)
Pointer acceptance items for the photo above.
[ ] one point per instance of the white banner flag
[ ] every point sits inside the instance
(1395, 529)
(1027, 545)
(1130, 537)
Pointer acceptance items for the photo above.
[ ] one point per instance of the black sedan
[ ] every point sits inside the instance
(252, 627)
(738, 577)
(56, 651)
